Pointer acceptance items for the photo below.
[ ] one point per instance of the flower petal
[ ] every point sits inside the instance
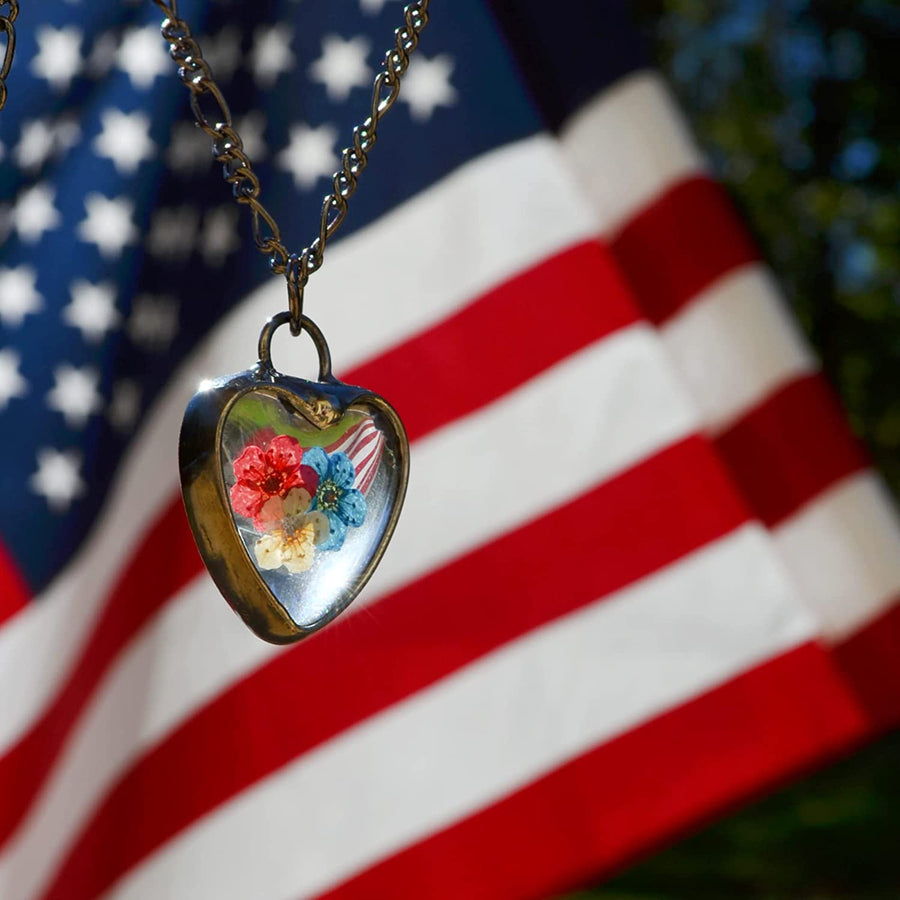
(309, 477)
(317, 459)
(247, 499)
(341, 470)
(250, 465)
(297, 501)
(336, 533)
(352, 507)
(284, 453)
(321, 526)
(270, 514)
(268, 551)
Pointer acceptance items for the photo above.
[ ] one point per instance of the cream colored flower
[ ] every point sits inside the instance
(294, 550)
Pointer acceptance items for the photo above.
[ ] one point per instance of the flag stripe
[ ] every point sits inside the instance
(791, 448)
(416, 636)
(14, 594)
(735, 343)
(581, 321)
(843, 551)
(503, 733)
(547, 313)
(488, 495)
(143, 587)
(628, 145)
(725, 328)
(594, 814)
(870, 659)
(693, 238)
(38, 647)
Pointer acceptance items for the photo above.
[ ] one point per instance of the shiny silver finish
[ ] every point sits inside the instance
(215, 120)
(281, 607)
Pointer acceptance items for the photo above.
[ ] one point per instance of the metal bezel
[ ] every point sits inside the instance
(206, 496)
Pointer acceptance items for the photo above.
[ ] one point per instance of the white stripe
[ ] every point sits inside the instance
(487, 730)
(628, 145)
(363, 311)
(735, 343)
(843, 550)
(468, 484)
(123, 717)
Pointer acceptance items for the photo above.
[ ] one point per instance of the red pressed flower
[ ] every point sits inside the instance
(266, 472)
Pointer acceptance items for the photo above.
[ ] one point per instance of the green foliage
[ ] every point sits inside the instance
(796, 104)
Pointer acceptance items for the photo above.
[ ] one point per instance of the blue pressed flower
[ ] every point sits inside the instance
(335, 495)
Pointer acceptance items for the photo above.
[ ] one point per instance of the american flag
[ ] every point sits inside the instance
(643, 572)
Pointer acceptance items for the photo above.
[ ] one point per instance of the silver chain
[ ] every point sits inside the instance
(228, 148)
(7, 21)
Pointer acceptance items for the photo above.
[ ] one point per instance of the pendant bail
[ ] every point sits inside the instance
(295, 293)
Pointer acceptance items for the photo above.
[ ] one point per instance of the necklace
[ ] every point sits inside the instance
(7, 27)
(292, 487)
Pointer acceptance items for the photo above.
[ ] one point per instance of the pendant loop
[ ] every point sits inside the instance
(307, 325)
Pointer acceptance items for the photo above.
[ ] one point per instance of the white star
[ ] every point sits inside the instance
(251, 128)
(39, 141)
(271, 55)
(108, 224)
(59, 56)
(36, 143)
(125, 405)
(12, 384)
(342, 66)
(222, 52)
(75, 394)
(58, 478)
(189, 149)
(372, 7)
(34, 213)
(142, 56)
(310, 154)
(92, 309)
(18, 295)
(219, 237)
(125, 139)
(172, 232)
(153, 322)
(426, 85)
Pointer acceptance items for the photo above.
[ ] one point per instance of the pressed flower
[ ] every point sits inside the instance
(295, 550)
(264, 473)
(335, 497)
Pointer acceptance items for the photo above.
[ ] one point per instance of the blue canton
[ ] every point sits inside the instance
(122, 245)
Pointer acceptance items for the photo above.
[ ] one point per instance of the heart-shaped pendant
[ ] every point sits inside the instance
(292, 489)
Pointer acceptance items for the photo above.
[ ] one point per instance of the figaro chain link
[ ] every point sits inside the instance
(7, 20)
(214, 117)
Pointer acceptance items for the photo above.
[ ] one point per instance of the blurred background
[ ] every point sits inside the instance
(796, 105)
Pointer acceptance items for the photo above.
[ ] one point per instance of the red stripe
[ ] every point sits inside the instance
(628, 796)
(616, 533)
(509, 336)
(14, 593)
(167, 561)
(680, 244)
(871, 660)
(412, 375)
(789, 449)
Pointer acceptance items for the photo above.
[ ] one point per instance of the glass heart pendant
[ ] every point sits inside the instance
(292, 489)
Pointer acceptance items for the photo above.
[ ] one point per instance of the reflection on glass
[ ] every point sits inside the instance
(311, 504)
